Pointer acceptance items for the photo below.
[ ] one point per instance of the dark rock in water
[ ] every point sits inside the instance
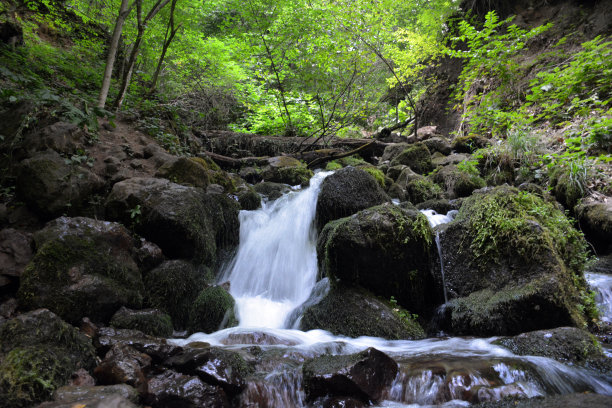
(15, 251)
(184, 221)
(172, 389)
(159, 349)
(354, 313)
(212, 310)
(213, 365)
(319, 291)
(51, 186)
(555, 401)
(286, 170)
(39, 353)
(514, 264)
(148, 321)
(343, 402)
(595, 220)
(112, 401)
(345, 192)
(72, 395)
(362, 375)
(123, 365)
(385, 249)
(440, 206)
(271, 190)
(173, 287)
(417, 157)
(82, 267)
(253, 337)
(458, 183)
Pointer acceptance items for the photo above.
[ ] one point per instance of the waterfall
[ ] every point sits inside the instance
(602, 285)
(275, 267)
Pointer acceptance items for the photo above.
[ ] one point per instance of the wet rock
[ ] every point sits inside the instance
(123, 364)
(271, 190)
(15, 251)
(555, 401)
(514, 264)
(173, 287)
(417, 157)
(214, 366)
(190, 171)
(172, 389)
(184, 221)
(148, 321)
(441, 206)
(109, 402)
(595, 220)
(345, 192)
(248, 198)
(458, 183)
(438, 144)
(342, 402)
(385, 249)
(50, 186)
(159, 349)
(38, 353)
(353, 313)
(363, 375)
(286, 170)
(82, 267)
(212, 310)
(60, 136)
(148, 255)
(101, 394)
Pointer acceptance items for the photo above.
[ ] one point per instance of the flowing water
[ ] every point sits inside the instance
(602, 285)
(275, 271)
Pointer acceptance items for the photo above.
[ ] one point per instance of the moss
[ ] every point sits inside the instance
(565, 189)
(422, 189)
(186, 171)
(205, 162)
(149, 321)
(417, 157)
(333, 165)
(212, 308)
(354, 161)
(378, 175)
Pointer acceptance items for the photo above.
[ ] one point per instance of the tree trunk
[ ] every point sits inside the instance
(171, 31)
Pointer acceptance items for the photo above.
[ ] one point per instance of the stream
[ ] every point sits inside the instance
(275, 270)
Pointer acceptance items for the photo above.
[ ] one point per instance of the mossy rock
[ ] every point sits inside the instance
(248, 198)
(456, 182)
(417, 157)
(213, 308)
(287, 170)
(173, 287)
(354, 312)
(149, 321)
(595, 220)
(188, 171)
(422, 189)
(354, 161)
(224, 179)
(469, 143)
(385, 249)
(378, 175)
(333, 165)
(567, 191)
(83, 267)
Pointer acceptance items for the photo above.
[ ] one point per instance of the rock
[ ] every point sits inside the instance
(107, 396)
(184, 221)
(15, 251)
(173, 389)
(595, 220)
(271, 190)
(515, 263)
(82, 267)
(8, 308)
(470, 143)
(564, 188)
(51, 187)
(385, 249)
(251, 174)
(422, 189)
(148, 321)
(458, 183)
(148, 255)
(213, 365)
(392, 151)
(362, 375)
(566, 401)
(173, 288)
(454, 158)
(394, 172)
(345, 192)
(353, 313)
(441, 206)
(123, 364)
(159, 349)
(190, 171)
(212, 310)
(81, 377)
(438, 144)
(417, 157)
(248, 198)
(286, 170)
(60, 136)
(38, 353)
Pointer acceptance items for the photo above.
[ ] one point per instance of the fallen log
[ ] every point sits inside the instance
(334, 156)
(226, 162)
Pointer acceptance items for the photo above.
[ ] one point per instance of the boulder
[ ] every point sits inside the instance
(105, 396)
(514, 264)
(190, 171)
(271, 190)
(60, 136)
(422, 189)
(394, 171)
(184, 221)
(52, 185)
(385, 249)
(172, 389)
(456, 182)
(82, 267)
(438, 144)
(345, 192)
(595, 220)
(157, 348)
(149, 321)
(427, 132)
(286, 170)
(362, 375)
(173, 287)
(212, 310)
(468, 144)
(354, 312)
(15, 251)
(555, 401)
(123, 365)
(38, 353)
(148, 255)
(417, 157)
(392, 151)
(454, 158)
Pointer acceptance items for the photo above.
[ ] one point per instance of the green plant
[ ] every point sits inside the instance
(469, 167)
(135, 214)
(402, 313)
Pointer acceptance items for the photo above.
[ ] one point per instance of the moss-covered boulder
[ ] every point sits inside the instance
(191, 171)
(458, 182)
(52, 185)
(514, 263)
(385, 249)
(595, 220)
(82, 267)
(38, 353)
(438, 144)
(270, 190)
(422, 189)
(173, 287)
(184, 221)
(286, 170)
(149, 321)
(417, 157)
(212, 310)
(392, 151)
(469, 143)
(568, 189)
(353, 312)
(345, 192)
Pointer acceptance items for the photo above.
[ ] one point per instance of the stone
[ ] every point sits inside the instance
(595, 220)
(286, 170)
(212, 310)
(392, 151)
(174, 389)
(438, 144)
(271, 190)
(417, 157)
(422, 189)
(158, 348)
(148, 255)
(149, 321)
(123, 365)
(456, 182)
(15, 251)
(60, 136)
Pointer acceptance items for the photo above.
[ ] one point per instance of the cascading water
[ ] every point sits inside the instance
(275, 268)
(602, 285)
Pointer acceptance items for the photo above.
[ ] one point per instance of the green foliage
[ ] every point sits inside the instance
(405, 316)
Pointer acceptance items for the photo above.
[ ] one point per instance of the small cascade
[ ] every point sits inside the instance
(275, 267)
(602, 285)
(436, 219)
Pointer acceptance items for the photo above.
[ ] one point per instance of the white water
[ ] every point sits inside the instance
(602, 285)
(275, 268)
